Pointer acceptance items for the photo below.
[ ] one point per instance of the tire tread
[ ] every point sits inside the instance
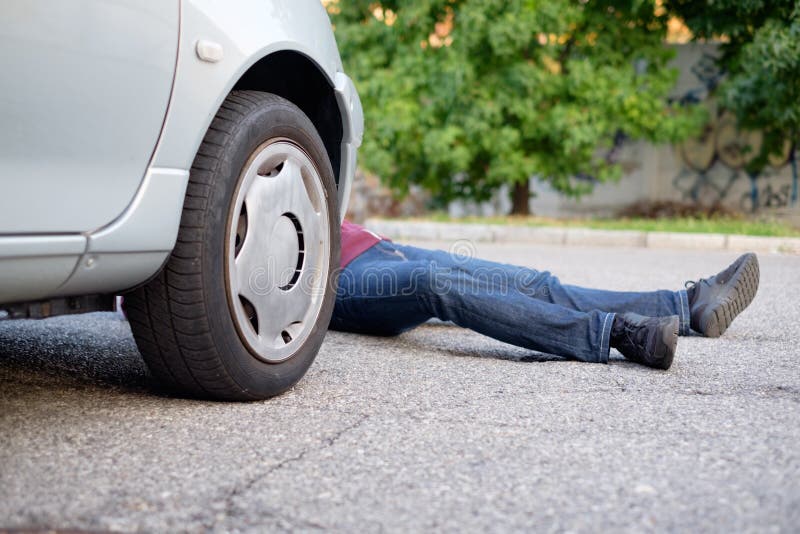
(169, 315)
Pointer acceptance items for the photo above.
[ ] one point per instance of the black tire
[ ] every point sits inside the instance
(182, 320)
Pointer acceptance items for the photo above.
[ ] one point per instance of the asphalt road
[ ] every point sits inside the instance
(439, 429)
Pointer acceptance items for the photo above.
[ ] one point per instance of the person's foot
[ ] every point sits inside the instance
(715, 302)
(649, 341)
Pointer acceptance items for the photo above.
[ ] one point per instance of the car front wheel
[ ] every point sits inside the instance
(241, 308)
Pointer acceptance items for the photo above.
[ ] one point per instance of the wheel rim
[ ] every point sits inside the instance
(277, 250)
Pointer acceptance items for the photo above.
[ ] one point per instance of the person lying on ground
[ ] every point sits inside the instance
(386, 288)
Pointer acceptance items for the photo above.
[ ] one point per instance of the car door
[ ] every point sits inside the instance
(84, 89)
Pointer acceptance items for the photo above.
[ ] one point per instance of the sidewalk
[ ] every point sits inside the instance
(551, 235)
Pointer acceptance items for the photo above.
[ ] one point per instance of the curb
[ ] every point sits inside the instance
(552, 235)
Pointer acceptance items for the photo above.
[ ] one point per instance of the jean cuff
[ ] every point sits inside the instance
(605, 338)
(684, 313)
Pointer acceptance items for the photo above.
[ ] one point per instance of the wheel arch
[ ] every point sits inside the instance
(295, 77)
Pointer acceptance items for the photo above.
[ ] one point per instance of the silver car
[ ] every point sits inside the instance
(195, 155)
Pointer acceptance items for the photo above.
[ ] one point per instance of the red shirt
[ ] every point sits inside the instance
(355, 241)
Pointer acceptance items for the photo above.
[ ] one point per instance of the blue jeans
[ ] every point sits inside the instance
(392, 288)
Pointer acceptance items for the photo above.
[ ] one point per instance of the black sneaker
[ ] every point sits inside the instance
(649, 341)
(715, 302)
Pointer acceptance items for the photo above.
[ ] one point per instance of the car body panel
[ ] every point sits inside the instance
(353, 133)
(85, 88)
(132, 247)
(32, 267)
(108, 272)
(301, 26)
(151, 221)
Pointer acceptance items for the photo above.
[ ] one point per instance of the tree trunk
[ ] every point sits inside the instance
(520, 198)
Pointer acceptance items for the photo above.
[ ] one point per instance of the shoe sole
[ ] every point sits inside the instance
(665, 352)
(741, 291)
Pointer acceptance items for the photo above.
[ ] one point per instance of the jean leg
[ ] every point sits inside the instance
(385, 293)
(659, 303)
(543, 285)
(486, 297)
(376, 294)
(515, 318)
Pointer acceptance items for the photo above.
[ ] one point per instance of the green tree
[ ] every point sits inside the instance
(760, 43)
(462, 96)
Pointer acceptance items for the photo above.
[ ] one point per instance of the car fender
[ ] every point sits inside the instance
(219, 42)
(244, 35)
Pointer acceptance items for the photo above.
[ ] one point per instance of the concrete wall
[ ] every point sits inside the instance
(704, 171)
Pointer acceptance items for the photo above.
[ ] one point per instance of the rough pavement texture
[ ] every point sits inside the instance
(439, 429)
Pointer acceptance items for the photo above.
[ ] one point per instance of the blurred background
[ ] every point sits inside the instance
(559, 110)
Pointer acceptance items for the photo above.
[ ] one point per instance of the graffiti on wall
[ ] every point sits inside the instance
(714, 166)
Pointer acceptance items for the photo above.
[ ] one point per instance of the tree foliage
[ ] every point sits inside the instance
(761, 55)
(462, 96)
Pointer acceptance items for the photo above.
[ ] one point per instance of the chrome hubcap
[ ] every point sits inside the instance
(277, 250)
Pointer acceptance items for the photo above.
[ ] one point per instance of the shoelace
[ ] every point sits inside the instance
(691, 283)
(635, 335)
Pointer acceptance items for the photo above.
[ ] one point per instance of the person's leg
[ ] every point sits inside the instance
(516, 318)
(544, 286)
(646, 340)
(659, 303)
(390, 289)
(374, 297)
